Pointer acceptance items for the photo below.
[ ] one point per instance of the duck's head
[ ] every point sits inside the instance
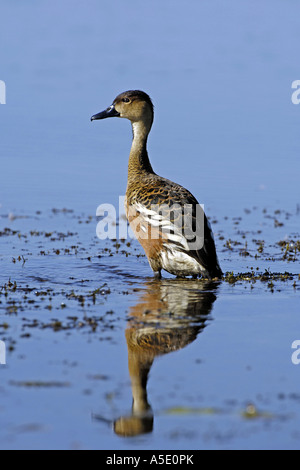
(134, 105)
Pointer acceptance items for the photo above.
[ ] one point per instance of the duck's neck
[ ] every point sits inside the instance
(139, 163)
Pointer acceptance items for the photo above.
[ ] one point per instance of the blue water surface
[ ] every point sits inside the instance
(220, 75)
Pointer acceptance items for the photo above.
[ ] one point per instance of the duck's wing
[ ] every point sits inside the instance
(175, 215)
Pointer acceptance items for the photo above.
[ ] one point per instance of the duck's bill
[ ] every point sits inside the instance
(109, 112)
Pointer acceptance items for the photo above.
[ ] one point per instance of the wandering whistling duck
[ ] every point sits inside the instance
(165, 217)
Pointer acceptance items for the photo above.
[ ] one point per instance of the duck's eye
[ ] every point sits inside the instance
(126, 100)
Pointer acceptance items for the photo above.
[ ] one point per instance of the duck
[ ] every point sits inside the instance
(165, 217)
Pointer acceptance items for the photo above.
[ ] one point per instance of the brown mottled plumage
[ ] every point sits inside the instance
(155, 206)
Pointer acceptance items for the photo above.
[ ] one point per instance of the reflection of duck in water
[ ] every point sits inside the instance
(162, 214)
(170, 315)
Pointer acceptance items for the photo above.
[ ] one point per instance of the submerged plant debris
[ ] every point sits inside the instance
(60, 285)
(43, 261)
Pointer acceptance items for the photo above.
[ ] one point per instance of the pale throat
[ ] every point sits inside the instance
(138, 158)
(140, 130)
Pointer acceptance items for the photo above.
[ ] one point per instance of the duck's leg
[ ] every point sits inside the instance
(157, 274)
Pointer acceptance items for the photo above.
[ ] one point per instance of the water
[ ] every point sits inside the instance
(84, 324)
